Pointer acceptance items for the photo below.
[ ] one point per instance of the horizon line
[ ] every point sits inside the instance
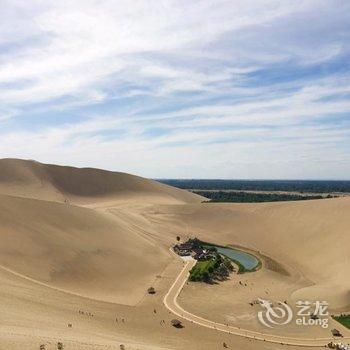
(250, 179)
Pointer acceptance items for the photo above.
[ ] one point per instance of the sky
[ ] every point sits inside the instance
(178, 89)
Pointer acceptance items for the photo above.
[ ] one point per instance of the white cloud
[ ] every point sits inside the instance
(188, 68)
(86, 41)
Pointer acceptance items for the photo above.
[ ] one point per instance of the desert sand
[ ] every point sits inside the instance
(80, 247)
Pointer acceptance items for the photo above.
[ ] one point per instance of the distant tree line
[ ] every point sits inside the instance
(263, 185)
(251, 197)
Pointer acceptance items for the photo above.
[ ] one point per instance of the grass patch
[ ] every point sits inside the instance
(202, 271)
(343, 319)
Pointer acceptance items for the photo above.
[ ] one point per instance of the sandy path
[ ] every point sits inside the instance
(170, 301)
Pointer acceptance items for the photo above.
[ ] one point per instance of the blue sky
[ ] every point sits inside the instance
(178, 89)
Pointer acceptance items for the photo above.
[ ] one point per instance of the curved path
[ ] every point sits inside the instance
(170, 301)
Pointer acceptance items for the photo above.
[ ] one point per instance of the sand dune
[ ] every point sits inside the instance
(311, 236)
(77, 249)
(84, 237)
(32, 179)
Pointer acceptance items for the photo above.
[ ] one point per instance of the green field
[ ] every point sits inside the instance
(343, 319)
(202, 270)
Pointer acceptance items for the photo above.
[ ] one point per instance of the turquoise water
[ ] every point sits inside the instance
(249, 261)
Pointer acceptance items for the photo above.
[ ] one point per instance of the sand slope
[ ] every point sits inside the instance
(81, 237)
(311, 236)
(82, 185)
(80, 250)
(77, 249)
